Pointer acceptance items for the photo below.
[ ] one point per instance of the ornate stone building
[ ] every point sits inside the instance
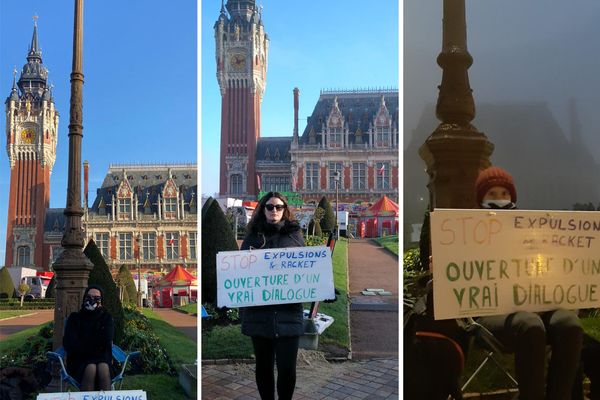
(145, 214)
(31, 137)
(351, 134)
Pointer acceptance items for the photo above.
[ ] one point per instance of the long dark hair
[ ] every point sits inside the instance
(258, 221)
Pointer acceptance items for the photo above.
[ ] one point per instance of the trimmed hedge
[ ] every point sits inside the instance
(35, 304)
(216, 236)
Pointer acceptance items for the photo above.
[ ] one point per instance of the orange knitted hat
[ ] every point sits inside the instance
(494, 176)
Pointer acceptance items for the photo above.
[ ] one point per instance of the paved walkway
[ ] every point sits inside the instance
(184, 322)
(373, 319)
(13, 325)
(373, 379)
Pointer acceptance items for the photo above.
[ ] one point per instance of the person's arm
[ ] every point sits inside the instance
(71, 341)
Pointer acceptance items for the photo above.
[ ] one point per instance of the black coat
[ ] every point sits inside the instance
(88, 340)
(280, 320)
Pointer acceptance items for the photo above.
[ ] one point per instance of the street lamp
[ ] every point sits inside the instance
(337, 185)
(139, 249)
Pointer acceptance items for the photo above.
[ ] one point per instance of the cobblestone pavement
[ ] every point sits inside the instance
(372, 379)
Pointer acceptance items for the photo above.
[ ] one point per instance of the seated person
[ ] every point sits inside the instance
(88, 342)
(527, 333)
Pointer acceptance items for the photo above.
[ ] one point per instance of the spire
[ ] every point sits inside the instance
(14, 93)
(34, 74)
(34, 49)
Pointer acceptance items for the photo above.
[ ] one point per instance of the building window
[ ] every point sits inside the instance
(383, 175)
(274, 183)
(148, 245)
(101, 240)
(124, 208)
(172, 239)
(382, 136)
(23, 256)
(359, 176)
(335, 137)
(192, 238)
(125, 246)
(170, 207)
(236, 184)
(312, 176)
(333, 168)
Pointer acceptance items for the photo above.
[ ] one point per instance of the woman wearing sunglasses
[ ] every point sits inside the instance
(275, 329)
(88, 342)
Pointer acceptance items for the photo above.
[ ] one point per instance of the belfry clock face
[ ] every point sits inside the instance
(28, 135)
(237, 62)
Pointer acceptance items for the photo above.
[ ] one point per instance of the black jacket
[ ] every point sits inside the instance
(280, 320)
(88, 339)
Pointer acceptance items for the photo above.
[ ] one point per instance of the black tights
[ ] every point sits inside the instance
(285, 351)
(93, 372)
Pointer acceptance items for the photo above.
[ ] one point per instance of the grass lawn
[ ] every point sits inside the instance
(180, 348)
(18, 339)
(188, 308)
(228, 341)
(389, 242)
(13, 313)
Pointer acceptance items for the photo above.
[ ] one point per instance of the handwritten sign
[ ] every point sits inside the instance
(274, 276)
(111, 395)
(497, 262)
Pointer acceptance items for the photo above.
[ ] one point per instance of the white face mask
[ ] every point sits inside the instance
(497, 204)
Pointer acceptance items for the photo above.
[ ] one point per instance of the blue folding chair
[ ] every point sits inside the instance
(118, 354)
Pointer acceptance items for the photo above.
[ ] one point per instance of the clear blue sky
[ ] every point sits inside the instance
(314, 45)
(140, 91)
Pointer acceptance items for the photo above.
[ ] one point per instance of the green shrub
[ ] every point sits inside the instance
(51, 291)
(328, 221)
(316, 226)
(7, 288)
(138, 336)
(315, 240)
(125, 280)
(32, 354)
(100, 275)
(216, 236)
(220, 316)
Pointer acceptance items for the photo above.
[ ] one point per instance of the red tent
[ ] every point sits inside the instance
(178, 283)
(381, 218)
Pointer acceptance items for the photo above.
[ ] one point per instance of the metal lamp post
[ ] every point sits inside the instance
(139, 291)
(72, 266)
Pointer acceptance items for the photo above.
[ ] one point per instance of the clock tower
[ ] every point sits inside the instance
(241, 55)
(31, 136)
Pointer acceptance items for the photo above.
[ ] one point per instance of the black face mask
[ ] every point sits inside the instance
(91, 303)
(498, 204)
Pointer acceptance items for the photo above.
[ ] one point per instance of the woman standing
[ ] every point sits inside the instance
(88, 342)
(275, 329)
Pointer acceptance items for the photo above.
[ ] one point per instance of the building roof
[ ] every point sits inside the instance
(55, 220)
(358, 108)
(147, 182)
(274, 150)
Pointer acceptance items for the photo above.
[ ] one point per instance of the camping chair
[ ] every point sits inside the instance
(485, 340)
(118, 354)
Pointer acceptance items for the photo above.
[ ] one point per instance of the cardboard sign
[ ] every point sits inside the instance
(490, 262)
(110, 395)
(274, 276)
